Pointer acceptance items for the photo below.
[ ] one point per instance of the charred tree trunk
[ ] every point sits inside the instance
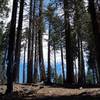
(11, 48)
(81, 67)
(49, 65)
(29, 66)
(18, 43)
(69, 59)
(33, 32)
(96, 32)
(79, 63)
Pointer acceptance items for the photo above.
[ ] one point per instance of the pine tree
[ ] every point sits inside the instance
(49, 15)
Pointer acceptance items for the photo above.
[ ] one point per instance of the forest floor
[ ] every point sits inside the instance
(42, 92)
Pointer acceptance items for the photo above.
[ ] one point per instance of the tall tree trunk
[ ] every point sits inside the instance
(33, 31)
(82, 63)
(69, 59)
(24, 62)
(81, 70)
(40, 37)
(49, 65)
(76, 73)
(92, 64)
(96, 72)
(36, 59)
(18, 43)
(29, 65)
(93, 73)
(55, 74)
(62, 61)
(11, 48)
(79, 62)
(96, 32)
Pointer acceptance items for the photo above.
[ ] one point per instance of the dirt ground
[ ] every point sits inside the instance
(41, 92)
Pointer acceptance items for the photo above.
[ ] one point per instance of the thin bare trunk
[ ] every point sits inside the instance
(55, 75)
(62, 62)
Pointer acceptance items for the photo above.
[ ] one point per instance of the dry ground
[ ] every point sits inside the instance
(41, 92)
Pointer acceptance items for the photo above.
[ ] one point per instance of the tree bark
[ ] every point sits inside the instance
(49, 65)
(40, 37)
(29, 66)
(36, 58)
(55, 75)
(62, 61)
(11, 48)
(96, 32)
(69, 59)
(18, 43)
(82, 64)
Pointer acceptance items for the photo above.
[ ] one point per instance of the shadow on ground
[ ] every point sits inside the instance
(16, 96)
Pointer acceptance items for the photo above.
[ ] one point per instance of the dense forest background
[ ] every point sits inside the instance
(50, 41)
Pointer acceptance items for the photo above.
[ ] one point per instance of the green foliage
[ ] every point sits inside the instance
(56, 25)
(57, 28)
(50, 12)
(3, 51)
